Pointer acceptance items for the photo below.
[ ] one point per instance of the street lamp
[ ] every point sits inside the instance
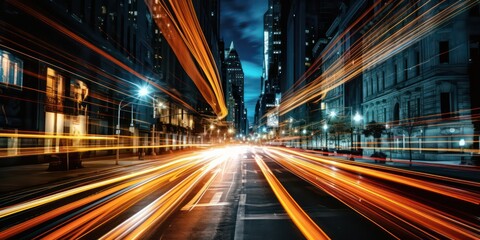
(461, 143)
(357, 118)
(325, 128)
(389, 133)
(304, 138)
(331, 115)
(143, 91)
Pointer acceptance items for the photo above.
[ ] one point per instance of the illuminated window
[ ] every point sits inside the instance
(54, 91)
(11, 70)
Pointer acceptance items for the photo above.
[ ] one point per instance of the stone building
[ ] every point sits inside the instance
(418, 85)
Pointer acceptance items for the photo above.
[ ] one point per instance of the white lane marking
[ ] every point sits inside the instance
(213, 204)
(278, 171)
(240, 215)
(267, 216)
(216, 198)
(190, 205)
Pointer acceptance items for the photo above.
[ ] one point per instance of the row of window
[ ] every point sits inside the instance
(377, 82)
(411, 110)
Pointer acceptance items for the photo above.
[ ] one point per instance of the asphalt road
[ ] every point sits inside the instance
(224, 194)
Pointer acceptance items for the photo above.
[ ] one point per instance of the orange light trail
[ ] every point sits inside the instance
(377, 48)
(389, 208)
(177, 177)
(94, 48)
(304, 223)
(184, 35)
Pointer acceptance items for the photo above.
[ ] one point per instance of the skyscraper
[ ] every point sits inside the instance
(234, 90)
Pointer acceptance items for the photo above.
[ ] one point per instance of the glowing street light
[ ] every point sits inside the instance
(357, 118)
(143, 91)
(332, 114)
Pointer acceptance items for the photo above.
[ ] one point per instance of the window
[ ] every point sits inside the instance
(11, 70)
(409, 109)
(384, 114)
(417, 66)
(444, 52)
(371, 86)
(54, 91)
(383, 79)
(396, 112)
(405, 70)
(395, 73)
(366, 89)
(445, 105)
(418, 107)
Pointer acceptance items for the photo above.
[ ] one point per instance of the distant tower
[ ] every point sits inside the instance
(234, 89)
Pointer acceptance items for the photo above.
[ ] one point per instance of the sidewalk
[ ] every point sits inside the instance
(453, 168)
(24, 176)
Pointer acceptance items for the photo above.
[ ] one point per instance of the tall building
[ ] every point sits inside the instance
(305, 23)
(83, 65)
(334, 52)
(234, 90)
(272, 47)
(272, 68)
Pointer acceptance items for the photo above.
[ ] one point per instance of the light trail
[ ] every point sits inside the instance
(4, 212)
(176, 177)
(400, 213)
(156, 212)
(304, 223)
(92, 47)
(377, 48)
(181, 29)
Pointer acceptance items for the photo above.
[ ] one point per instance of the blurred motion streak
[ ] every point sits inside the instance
(179, 24)
(176, 178)
(94, 48)
(377, 50)
(304, 223)
(400, 212)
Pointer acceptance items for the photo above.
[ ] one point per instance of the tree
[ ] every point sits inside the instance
(338, 128)
(375, 130)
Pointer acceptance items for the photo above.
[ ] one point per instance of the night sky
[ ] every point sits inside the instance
(242, 23)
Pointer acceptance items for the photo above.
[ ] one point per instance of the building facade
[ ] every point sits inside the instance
(74, 69)
(422, 91)
(234, 91)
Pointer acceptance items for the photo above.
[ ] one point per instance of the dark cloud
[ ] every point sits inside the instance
(242, 23)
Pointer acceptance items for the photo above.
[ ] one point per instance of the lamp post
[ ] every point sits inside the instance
(211, 130)
(304, 139)
(389, 133)
(357, 118)
(142, 92)
(331, 115)
(325, 128)
(461, 143)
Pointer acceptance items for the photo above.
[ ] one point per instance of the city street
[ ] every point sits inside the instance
(239, 119)
(222, 193)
